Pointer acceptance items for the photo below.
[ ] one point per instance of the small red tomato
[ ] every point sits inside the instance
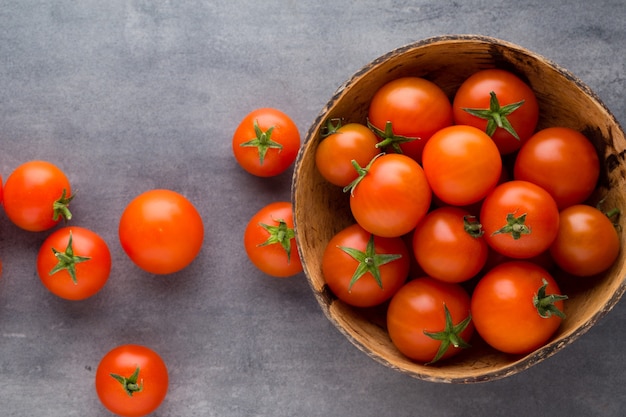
(266, 142)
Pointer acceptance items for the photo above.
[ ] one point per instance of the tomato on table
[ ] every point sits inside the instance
(161, 231)
(132, 380)
(74, 263)
(429, 320)
(364, 270)
(266, 142)
(499, 103)
(37, 195)
(406, 112)
(517, 307)
(269, 240)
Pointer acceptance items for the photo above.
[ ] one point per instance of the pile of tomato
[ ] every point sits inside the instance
(464, 211)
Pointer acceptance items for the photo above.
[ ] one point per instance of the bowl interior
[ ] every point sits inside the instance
(321, 209)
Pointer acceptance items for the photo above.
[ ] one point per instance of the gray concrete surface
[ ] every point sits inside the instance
(128, 95)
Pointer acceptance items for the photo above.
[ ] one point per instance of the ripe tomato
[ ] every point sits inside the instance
(407, 111)
(132, 380)
(429, 320)
(462, 165)
(161, 231)
(74, 263)
(562, 161)
(392, 195)
(266, 142)
(520, 219)
(364, 270)
(500, 104)
(517, 307)
(587, 242)
(37, 195)
(269, 240)
(335, 153)
(449, 246)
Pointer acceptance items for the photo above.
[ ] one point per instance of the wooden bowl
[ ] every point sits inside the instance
(321, 209)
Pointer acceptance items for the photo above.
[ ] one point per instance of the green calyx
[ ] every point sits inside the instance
(369, 261)
(496, 115)
(515, 226)
(280, 234)
(361, 171)
(332, 127)
(450, 335)
(67, 260)
(545, 303)
(262, 141)
(60, 208)
(472, 226)
(130, 384)
(388, 138)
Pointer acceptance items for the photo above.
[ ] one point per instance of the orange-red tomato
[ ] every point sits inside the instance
(132, 380)
(161, 231)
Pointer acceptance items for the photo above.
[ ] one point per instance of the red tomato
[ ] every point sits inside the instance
(347, 143)
(392, 196)
(449, 246)
(429, 320)
(517, 307)
(161, 231)
(132, 380)
(269, 240)
(462, 165)
(37, 195)
(364, 270)
(500, 104)
(266, 142)
(520, 219)
(562, 161)
(407, 111)
(587, 242)
(74, 263)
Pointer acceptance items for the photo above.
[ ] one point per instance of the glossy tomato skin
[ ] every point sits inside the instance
(419, 306)
(475, 91)
(392, 197)
(462, 165)
(562, 161)
(335, 153)
(282, 150)
(587, 242)
(273, 258)
(443, 247)
(416, 108)
(503, 310)
(520, 199)
(123, 361)
(161, 231)
(91, 274)
(338, 267)
(30, 192)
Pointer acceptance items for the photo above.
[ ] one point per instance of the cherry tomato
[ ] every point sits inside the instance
(161, 231)
(407, 111)
(449, 246)
(520, 219)
(500, 104)
(429, 320)
(132, 380)
(364, 270)
(269, 240)
(74, 263)
(391, 196)
(266, 142)
(335, 153)
(517, 307)
(587, 242)
(562, 161)
(37, 195)
(462, 165)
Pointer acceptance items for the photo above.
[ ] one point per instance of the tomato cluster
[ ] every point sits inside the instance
(465, 213)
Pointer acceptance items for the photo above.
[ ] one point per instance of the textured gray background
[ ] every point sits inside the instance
(128, 95)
